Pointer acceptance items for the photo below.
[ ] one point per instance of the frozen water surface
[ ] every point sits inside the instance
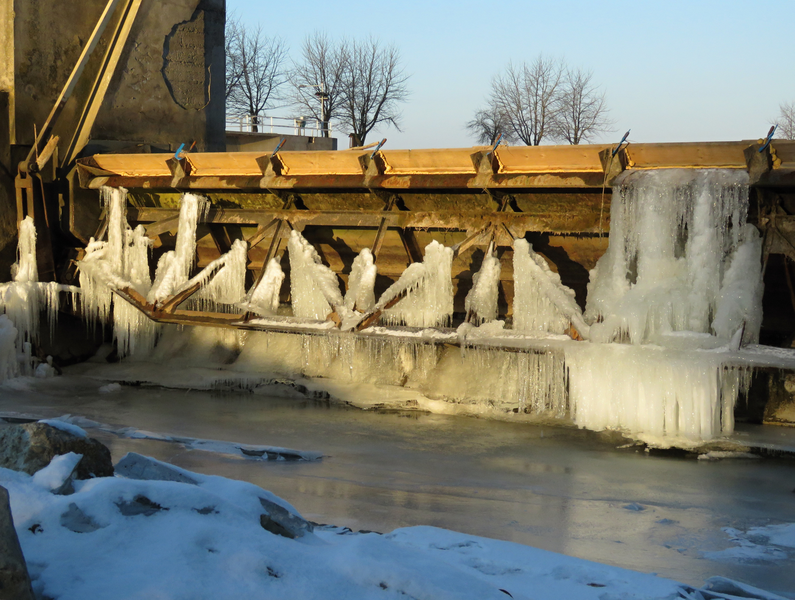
(566, 490)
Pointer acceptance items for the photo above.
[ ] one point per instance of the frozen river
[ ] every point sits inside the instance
(565, 490)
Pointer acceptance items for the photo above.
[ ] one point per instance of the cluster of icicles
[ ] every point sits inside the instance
(681, 276)
(22, 300)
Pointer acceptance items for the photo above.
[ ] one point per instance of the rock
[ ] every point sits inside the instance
(31, 447)
(141, 505)
(282, 522)
(137, 466)
(14, 578)
(60, 474)
(76, 520)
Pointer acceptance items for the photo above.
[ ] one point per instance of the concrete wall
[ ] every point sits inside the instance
(167, 89)
(168, 86)
(256, 142)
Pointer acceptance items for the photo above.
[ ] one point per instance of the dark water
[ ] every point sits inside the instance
(564, 490)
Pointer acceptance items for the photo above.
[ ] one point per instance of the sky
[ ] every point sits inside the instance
(672, 71)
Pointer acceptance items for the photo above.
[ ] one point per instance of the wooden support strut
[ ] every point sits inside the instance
(379, 236)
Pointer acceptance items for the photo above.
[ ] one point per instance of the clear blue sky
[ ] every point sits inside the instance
(675, 70)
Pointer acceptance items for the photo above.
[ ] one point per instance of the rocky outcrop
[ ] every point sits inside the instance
(31, 447)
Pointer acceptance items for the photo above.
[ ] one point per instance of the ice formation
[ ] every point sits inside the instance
(673, 235)
(682, 273)
(23, 300)
(264, 298)
(314, 288)
(653, 392)
(228, 287)
(541, 302)
(361, 282)
(174, 267)
(681, 258)
(481, 301)
(118, 263)
(428, 289)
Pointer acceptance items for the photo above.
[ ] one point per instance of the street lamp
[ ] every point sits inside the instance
(322, 96)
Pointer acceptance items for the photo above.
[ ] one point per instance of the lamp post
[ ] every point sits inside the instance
(322, 96)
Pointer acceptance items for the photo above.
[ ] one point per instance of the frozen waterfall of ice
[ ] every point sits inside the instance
(673, 236)
(682, 265)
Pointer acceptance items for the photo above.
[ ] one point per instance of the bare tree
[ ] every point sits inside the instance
(234, 67)
(542, 100)
(786, 120)
(374, 85)
(255, 70)
(488, 125)
(318, 80)
(527, 98)
(582, 111)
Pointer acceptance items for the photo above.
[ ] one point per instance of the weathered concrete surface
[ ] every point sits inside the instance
(168, 86)
(32, 446)
(14, 578)
(780, 407)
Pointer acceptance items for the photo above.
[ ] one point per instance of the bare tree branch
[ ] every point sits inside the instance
(542, 100)
(318, 80)
(488, 125)
(527, 98)
(582, 112)
(374, 85)
(257, 70)
(786, 120)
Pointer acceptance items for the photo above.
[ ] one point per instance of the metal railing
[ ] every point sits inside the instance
(307, 126)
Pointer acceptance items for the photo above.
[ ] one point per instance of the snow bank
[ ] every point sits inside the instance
(119, 538)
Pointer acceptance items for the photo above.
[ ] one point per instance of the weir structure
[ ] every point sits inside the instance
(614, 286)
(477, 276)
(395, 202)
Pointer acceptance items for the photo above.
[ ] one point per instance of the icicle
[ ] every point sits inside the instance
(361, 282)
(227, 288)
(264, 299)
(174, 267)
(428, 289)
(541, 302)
(314, 288)
(481, 301)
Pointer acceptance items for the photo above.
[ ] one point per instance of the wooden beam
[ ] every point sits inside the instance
(379, 236)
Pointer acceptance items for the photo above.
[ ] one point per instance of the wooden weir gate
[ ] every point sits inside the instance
(396, 201)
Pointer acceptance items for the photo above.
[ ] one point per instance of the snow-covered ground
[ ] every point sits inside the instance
(118, 538)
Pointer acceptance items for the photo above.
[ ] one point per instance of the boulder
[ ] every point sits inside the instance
(31, 447)
(282, 522)
(14, 578)
(137, 466)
